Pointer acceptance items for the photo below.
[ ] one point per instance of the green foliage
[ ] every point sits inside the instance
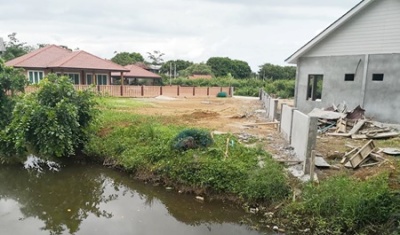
(125, 58)
(222, 66)
(281, 88)
(276, 72)
(11, 81)
(201, 68)
(54, 121)
(342, 205)
(171, 65)
(14, 48)
(192, 139)
(142, 143)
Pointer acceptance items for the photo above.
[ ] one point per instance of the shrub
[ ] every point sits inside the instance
(342, 205)
(191, 139)
(54, 121)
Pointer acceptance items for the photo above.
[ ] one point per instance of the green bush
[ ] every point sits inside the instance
(342, 205)
(191, 139)
(54, 121)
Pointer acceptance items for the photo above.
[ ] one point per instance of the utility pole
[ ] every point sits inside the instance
(175, 71)
(170, 73)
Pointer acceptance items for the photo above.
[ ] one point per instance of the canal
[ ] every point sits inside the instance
(91, 199)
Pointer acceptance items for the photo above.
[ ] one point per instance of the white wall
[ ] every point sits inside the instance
(374, 30)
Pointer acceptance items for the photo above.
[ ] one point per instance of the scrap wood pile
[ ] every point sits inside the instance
(336, 121)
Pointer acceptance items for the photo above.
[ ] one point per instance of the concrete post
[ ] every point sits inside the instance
(275, 111)
(311, 143)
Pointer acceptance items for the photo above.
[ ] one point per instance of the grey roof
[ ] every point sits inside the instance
(2, 46)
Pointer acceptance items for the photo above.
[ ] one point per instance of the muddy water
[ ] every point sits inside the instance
(95, 200)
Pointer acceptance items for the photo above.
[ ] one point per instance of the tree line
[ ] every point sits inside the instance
(214, 66)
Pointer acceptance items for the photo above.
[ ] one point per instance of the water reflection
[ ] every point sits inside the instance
(87, 200)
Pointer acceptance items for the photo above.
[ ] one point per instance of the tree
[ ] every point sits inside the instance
(156, 57)
(54, 121)
(220, 66)
(277, 72)
(201, 68)
(14, 48)
(241, 69)
(11, 81)
(178, 64)
(125, 58)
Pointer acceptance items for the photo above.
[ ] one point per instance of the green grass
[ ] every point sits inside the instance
(144, 144)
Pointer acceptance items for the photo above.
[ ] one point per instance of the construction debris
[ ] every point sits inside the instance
(336, 122)
(391, 151)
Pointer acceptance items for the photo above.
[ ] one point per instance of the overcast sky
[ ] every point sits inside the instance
(256, 31)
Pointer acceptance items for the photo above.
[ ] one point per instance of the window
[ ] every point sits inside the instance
(349, 77)
(89, 79)
(101, 79)
(35, 76)
(75, 78)
(377, 77)
(314, 87)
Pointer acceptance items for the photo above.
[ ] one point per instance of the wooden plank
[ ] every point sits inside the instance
(339, 134)
(357, 127)
(345, 157)
(341, 126)
(261, 124)
(383, 135)
(359, 137)
(362, 154)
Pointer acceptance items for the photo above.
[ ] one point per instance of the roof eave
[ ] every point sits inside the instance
(332, 27)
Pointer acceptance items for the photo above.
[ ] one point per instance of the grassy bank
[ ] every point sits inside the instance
(144, 145)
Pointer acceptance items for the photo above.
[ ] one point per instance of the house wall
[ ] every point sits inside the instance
(374, 30)
(380, 98)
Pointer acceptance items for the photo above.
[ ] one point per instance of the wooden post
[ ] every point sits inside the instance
(208, 91)
(312, 165)
(160, 90)
(142, 91)
(230, 91)
(177, 90)
(122, 83)
(194, 91)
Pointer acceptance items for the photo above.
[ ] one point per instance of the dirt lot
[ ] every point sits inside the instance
(235, 114)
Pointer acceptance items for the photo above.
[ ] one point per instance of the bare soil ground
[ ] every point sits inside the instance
(234, 114)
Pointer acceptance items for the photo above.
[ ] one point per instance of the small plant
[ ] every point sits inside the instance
(222, 94)
(192, 139)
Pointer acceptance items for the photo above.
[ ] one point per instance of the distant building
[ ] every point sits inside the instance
(82, 67)
(137, 75)
(355, 60)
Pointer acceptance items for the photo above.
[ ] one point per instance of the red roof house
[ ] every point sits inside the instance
(82, 67)
(137, 73)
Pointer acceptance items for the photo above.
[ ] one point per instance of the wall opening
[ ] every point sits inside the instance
(377, 77)
(314, 87)
(348, 77)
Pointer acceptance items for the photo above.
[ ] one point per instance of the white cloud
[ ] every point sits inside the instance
(256, 31)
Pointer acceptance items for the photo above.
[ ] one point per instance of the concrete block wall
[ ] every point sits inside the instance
(286, 122)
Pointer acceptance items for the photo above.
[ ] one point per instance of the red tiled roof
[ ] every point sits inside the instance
(52, 56)
(137, 72)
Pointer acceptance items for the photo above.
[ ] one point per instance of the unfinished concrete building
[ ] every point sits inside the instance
(355, 60)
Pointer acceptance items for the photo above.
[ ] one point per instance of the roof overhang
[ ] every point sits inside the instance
(300, 52)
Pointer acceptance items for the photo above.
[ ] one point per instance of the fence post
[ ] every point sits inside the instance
(142, 91)
(194, 91)
(121, 90)
(274, 117)
(161, 90)
(208, 91)
(177, 90)
(312, 139)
